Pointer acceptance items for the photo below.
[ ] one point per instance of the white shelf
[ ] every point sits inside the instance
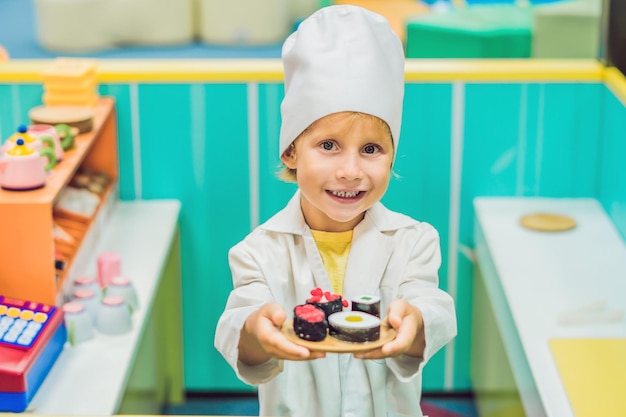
(532, 277)
(90, 378)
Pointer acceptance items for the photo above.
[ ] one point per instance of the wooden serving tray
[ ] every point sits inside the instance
(330, 344)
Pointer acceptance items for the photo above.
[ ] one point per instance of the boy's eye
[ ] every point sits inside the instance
(328, 145)
(370, 148)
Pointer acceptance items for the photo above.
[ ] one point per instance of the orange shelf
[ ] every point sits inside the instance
(72, 159)
(26, 217)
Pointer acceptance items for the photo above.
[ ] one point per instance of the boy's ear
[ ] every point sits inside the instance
(289, 157)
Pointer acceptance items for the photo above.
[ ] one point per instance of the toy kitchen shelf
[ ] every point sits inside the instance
(27, 260)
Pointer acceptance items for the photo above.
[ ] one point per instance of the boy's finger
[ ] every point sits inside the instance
(370, 354)
(394, 348)
(283, 348)
(278, 317)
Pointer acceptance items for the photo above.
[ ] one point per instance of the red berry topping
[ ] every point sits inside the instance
(330, 296)
(345, 303)
(310, 313)
(317, 292)
(319, 296)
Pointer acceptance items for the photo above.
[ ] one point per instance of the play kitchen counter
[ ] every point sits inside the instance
(549, 336)
(27, 247)
(138, 371)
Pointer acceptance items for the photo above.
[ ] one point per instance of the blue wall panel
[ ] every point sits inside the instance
(421, 188)
(569, 141)
(490, 149)
(7, 123)
(274, 193)
(15, 102)
(166, 142)
(190, 142)
(194, 148)
(124, 111)
(226, 207)
(490, 146)
(612, 186)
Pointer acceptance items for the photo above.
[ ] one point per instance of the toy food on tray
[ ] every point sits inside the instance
(309, 322)
(368, 304)
(323, 321)
(354, 326)
(330, 303)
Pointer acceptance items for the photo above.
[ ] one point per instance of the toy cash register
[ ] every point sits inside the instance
(32, 336)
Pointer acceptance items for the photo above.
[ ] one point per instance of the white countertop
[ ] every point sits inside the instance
(90, 378)
(540, 275)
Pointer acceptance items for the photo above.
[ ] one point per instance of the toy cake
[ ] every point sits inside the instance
(354, 326)
(330, 303)
(309, 322)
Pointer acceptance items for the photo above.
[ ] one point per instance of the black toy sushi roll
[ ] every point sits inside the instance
(309, 322)
(368, 304)
(330, 303)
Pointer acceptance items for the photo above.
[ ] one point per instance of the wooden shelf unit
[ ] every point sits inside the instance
(26, 217)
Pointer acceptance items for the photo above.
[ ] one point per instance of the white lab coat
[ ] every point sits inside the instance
(392, 256)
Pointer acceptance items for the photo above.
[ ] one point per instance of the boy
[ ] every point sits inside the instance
(344, 85)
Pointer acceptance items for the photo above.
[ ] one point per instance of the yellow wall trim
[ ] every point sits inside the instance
(498, 70)
(161, 71)
(270, 70)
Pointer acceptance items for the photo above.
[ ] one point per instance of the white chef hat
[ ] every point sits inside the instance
(341, 58)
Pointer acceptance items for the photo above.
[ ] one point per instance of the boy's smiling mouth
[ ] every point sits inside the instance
(345, 194)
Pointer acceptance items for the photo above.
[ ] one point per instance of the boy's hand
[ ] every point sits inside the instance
(407, 320)
(261, 338)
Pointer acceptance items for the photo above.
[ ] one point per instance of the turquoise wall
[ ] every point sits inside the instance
(612, 176)
(214, 146)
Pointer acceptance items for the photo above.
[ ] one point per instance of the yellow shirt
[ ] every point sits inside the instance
(334, 248)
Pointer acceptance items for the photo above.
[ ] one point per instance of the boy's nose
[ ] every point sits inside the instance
(350, 167)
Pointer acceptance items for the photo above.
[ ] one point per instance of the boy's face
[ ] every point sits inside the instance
(343, 164)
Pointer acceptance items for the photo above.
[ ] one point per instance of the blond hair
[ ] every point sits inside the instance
(290, 175)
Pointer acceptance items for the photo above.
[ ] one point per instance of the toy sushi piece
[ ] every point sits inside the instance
(327, 301)
(368, 304)
(309, 322)
(354, 326)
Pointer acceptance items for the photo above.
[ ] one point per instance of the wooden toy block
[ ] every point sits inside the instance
(70, 82)
(88, 99)
(69, 69)
(71, 86)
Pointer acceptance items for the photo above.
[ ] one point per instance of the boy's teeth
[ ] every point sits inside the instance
(347, 194)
